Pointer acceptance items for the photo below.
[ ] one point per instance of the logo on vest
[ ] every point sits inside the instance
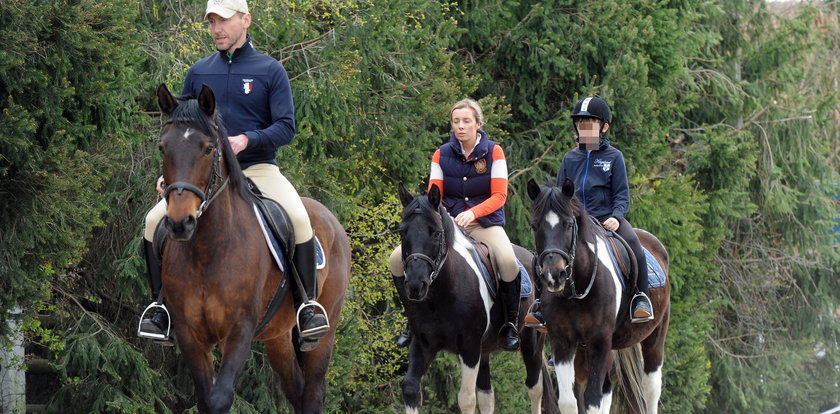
(481, 166)
(603, 164)
(247, 85)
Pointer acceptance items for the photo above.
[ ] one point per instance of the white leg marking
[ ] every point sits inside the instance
(565, 387)
(606, 403)
(536, 393)
(411, 410)
(466, 396)
(461, 246)
(652, 384)
(552, 219)
(486, 401)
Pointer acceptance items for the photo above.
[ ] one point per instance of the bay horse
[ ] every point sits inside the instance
(219, 274)
(449, 308)
(587, 311)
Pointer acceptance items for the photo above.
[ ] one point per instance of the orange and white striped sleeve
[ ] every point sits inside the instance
(436, 173)
(498, 184)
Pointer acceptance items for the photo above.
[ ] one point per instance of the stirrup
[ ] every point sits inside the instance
(317, 332)
(152, 335)
(633, 318)
(531, 319)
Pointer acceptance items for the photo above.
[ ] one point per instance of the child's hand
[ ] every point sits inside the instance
(611, 224)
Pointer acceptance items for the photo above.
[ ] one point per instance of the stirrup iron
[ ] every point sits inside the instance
(151, 335)
(318, 332)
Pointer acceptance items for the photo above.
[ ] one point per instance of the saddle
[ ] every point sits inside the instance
(481, 254)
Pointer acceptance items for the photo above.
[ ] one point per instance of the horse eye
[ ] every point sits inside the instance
(209, 149)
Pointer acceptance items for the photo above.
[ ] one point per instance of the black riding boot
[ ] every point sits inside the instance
(311, 325)
(158, 323)
(403, 339)
(509, 294)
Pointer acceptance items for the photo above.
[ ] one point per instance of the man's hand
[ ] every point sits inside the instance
(611, 224)
(238, 143)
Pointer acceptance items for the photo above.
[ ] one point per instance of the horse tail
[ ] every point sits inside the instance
(549, 397)
(631, 371)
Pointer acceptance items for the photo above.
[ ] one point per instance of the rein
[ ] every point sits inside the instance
(569, 256)
(210, 193)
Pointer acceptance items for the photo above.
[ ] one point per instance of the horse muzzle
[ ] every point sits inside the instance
(554, 278)
(181, 230)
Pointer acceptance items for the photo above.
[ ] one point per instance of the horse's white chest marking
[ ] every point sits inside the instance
(462, 245)
(187, 133)
(552, 219)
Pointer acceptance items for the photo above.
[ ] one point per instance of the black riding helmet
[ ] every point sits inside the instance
(591, 107)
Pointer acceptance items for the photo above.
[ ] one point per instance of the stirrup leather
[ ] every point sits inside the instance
(314, 332)
(151, 335)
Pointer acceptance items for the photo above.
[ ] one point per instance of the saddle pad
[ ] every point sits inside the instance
(525, 286)
(277, 252)
(656, 277)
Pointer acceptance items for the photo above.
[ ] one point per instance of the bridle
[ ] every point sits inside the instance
(210, 192)
(569, 256)
(442, 253)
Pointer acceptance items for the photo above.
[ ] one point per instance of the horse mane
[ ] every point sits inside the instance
(551, 198)
(421, 205)
(188, 114)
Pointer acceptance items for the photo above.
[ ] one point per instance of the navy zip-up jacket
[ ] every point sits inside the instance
(254, 98)
(600, 179)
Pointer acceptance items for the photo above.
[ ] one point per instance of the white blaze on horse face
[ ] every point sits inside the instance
(606, 262)
(462, 246)
(187, 134)
(565, 386)
(466, 396)
(552, 219)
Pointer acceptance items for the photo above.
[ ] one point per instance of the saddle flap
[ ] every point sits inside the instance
(276, 218)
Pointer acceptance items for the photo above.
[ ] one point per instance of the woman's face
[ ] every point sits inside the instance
(464, 125)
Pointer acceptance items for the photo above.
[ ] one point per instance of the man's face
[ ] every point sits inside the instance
(589, 132)
(229, 34)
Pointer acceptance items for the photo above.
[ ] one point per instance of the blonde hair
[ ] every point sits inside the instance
(471, 104)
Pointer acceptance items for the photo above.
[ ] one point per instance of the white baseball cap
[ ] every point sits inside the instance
(225, 8)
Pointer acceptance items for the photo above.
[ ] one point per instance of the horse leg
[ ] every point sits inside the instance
(532, 357)
(469, 377)
(314, 365)
(607, 387)
(419, 359)
(599, 354)
(235, 348)
(563, 354)
(197, 357)
(282, 357)
(486, 397)
(653, 354)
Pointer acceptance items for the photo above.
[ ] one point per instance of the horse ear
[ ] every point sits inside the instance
(207, 101)
(405, 196)
(434, 195)
(166, 102)
(534, 189)
(568, 188)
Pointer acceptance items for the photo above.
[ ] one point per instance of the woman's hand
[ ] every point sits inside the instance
(611, 224)
(161, 185)
(465, 218)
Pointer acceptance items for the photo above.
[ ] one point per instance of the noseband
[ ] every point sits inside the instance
(211, 192)
(569, 256)
(442, 253)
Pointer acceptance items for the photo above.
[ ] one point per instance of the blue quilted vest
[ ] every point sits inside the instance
(466, 182)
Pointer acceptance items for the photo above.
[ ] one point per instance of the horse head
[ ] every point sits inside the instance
(557, 219)
(192, 144)
(425, 233)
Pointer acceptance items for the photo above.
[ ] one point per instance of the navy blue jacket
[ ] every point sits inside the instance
(600, 179)
(466, 182)
(254, 98)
